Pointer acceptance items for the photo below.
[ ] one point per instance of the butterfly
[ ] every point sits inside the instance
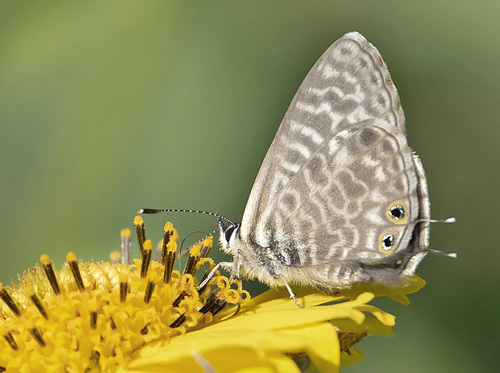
(340, 197)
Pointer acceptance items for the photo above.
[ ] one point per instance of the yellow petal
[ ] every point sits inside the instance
(384, 317)
(322, 345)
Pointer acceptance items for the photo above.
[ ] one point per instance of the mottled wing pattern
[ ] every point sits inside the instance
(338, 213)
(338, 160)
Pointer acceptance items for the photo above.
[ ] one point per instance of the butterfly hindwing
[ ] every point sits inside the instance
(329, 213)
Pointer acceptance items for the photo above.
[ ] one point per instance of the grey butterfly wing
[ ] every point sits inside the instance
(309, 202)
(332, 218)
(348, 79)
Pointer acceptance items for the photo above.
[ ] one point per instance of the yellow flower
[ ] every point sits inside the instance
(148, 317)
(269, 331)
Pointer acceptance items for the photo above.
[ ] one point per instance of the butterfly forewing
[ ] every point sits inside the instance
(339, 182)
(349, 83)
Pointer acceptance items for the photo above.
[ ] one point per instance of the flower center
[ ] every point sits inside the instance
(96, 314)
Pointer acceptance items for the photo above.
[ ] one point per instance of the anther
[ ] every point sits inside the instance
(209, 304)
(38, 304)
(206, 245)
(37, 336)
(150, 287)
(115, 257)
(205, 276)
(169, 261)
(9, 301)
(93, 319)
(49, 272)
(123, 287)
(10, 340)
(194, 258)
(214, 303)
(140, 230)
(126, 244)
(219, 305)
(75, 270)
(146, 257)
(178, 321)
(168, 231)
(205, 279)
(177, 300)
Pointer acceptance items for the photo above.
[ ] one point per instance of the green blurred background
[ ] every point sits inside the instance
(106, 107)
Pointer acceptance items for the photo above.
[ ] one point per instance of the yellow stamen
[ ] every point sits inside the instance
(178, 322)
(194, 257)
(125, 232)
(38, 304)
(177, 300)
(168, 233)
(10, 340)
(126, 243)
(123, 287)
(75, 270)
(206, 245)
(215, 303)
(169, 261)
(115, 257)
(146, 257)
(49, 272)
(37, 336)
(150, 287)
(9, 301)
(93, 319)
(140, 230)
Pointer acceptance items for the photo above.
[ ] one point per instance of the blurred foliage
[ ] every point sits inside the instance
(110, 106)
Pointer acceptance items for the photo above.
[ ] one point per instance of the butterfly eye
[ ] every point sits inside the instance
(397, 212)
(229, 232)
(386, 242)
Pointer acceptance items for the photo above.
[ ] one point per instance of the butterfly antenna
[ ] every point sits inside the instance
(157, 211)
(182, 253)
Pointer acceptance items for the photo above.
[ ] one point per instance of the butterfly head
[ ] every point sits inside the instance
(228, 235)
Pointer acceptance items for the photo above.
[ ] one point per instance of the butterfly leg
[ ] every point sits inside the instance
(212, 273)
(292, 294)
(202, 362)
(235, 272)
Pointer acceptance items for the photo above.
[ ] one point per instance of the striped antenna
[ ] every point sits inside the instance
(157, 211)
(184, 252)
